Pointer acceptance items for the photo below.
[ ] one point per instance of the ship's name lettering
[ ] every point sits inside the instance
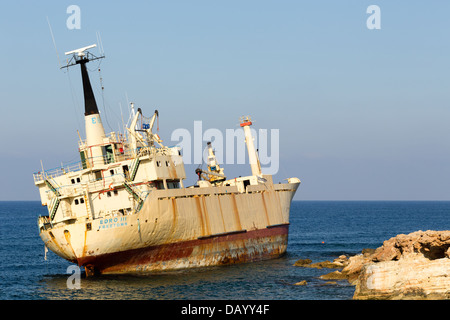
(113, 222)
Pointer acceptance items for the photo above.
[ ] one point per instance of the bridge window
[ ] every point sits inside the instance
(98, 175)
(108, 153)
(159, 184)
(175, 184)
(125, 171)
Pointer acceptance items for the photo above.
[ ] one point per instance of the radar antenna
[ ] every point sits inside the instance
(81, 55)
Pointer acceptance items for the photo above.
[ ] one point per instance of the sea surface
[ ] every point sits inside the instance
(319, 230)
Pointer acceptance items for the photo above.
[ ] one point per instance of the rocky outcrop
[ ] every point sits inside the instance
(413, 266)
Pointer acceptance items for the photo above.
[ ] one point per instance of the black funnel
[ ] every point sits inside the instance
(90, 106)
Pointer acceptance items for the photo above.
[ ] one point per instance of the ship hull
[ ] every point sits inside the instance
(238, 247)
(183, 228)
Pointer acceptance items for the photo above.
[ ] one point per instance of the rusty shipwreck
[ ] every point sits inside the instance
(124, 208)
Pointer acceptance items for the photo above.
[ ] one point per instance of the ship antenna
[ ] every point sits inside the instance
(100, 44)
(54, 43)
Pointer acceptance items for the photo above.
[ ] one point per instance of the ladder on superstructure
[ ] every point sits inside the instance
(137, 194)
(56, 200)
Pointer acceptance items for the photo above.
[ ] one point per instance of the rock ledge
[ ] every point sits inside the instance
(413, 266)
(410, 267)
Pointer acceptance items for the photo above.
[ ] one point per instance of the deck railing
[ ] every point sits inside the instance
(96, 161)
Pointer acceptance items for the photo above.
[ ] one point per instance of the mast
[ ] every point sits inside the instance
(252, 155)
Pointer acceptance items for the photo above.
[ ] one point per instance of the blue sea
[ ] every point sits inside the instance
(319, 230)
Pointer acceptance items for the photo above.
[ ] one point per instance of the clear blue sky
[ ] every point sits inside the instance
(363, 114)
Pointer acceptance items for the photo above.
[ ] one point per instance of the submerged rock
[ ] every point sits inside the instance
(335, 275)
(302, 262)
(328, 283)
(336, 264)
